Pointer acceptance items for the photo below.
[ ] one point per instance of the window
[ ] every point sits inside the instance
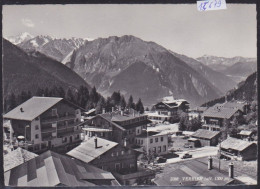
(164, 148)
(117, 153)
(141, 141)
(64, 139)
(36, 136)
(159, 149)
(112, 154)
(154, 149)
(161, 138)
(54, 112)
(122, 152)
(36, 127)
(156, 139)
(151, 140)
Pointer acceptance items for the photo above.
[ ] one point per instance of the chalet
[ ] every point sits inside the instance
(233, 148)
(246, 135)
(167, 109)
(215, 116)
(196, 173)
(153, 142)
(112, 157)
(46, 123)
(52, 169)
(204, 137)
(196, 112)
(117, 126)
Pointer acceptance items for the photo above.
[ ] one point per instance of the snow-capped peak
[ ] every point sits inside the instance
(25, 36)
(88, 39)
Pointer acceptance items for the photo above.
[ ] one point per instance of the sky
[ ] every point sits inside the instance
(180, 28)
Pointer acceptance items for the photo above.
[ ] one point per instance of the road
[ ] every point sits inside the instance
(197, 153)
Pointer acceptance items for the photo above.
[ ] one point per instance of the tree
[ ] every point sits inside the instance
(100, 105)
(131, 103)
(11, 102)
(122, 102)
(146, 109)
(69, 95)
(61, 92)
(139, 106)
(116, 98)
(94, 96)
(183, 121)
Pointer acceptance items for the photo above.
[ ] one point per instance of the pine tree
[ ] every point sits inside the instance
(122, 102)
(69, 95)
(100, 105)
(94, 96)
(131, 103)
(12, 103)
(139, 106)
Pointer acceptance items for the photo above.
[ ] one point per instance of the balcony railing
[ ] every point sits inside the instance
(49, 129)
(69, 132)
(57, 119)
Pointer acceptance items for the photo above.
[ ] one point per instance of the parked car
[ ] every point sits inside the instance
(187, 155)
(161, 159)
(187, 145)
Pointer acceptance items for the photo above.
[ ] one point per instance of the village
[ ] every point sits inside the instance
(49, 141)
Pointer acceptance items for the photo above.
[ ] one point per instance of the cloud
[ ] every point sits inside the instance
(27, 22)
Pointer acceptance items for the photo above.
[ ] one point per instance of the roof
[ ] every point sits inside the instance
(95, 129)
(32, 108)
(90, 111)
(196, 173)
(87, 152)
(235, 144)
(52, 169)
(150, 133)
(220, 112)
(237, 105)
(170, 100)
(119, 117)
(203, 133)
(244, 132)
(17, 157)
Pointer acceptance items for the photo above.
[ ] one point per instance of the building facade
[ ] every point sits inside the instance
(153, 142)
(46, 123)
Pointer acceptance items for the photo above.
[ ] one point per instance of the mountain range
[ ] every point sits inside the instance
(144, 69)
(237, 68)
(29, 71)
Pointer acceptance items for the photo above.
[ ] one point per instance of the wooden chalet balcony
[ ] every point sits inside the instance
(68, 132)
(48, 137)
(48, 129)
(57, 119)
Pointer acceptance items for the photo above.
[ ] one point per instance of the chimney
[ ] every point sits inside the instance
(231, 170)
(113, 109)
(124, 142)
(122, 112)
(103, 110)
(21, 109)
(210, 162)
(95, 140)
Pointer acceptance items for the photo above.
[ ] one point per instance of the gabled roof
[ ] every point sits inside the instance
(52, 169)
(203, 133)
(87, 152)
(195, 169)
(239, 106)
(17, 157)
(235, 144)
(220, 112)
(32, 108)
(244, 132)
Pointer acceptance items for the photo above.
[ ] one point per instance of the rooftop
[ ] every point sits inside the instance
(220, 112)
(32, 108)
(235, 144)
(87, 152)
(244, 132)
(17, 157)
(196, 173)
(203, 133)
(52, 169)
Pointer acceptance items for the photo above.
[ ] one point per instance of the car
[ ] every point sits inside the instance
(161, 159)
(187, 155)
